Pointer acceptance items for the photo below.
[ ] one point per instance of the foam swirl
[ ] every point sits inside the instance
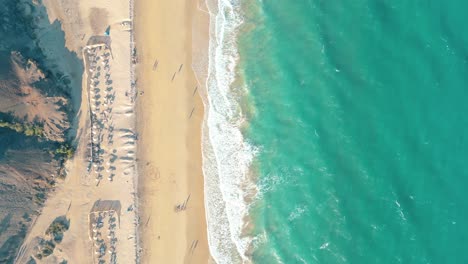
(226, 154)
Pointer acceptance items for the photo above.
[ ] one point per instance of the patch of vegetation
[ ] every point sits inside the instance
(27, 217)
(27, 129)
(46, 247)
(55, 233)
(39, 198)
(57, 228)
(65, 151)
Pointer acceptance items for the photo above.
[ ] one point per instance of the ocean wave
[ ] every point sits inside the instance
(226, 154)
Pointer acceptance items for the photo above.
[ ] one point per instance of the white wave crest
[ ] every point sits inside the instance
(226, 155)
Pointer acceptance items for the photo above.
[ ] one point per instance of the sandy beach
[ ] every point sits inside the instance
(170, 112)
(134, 191)
(98, 196)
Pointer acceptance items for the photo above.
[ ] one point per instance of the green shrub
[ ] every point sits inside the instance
(57, 228)
(65, 151)
(28, 129)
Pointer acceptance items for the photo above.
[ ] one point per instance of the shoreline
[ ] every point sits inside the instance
(169, 119)
(227, 156)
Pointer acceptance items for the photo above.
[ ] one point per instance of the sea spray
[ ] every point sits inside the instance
(226, 155)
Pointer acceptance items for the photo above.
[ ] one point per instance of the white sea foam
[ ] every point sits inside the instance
(298, 211)
(226, 154)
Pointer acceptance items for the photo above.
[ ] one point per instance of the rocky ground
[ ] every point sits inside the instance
(38, 80)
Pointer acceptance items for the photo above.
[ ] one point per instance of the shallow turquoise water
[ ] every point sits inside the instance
(360, 116)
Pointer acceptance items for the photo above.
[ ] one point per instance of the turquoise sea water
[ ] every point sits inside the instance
(359, 113)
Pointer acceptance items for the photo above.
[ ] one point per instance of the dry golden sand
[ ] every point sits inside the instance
(170, 113)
